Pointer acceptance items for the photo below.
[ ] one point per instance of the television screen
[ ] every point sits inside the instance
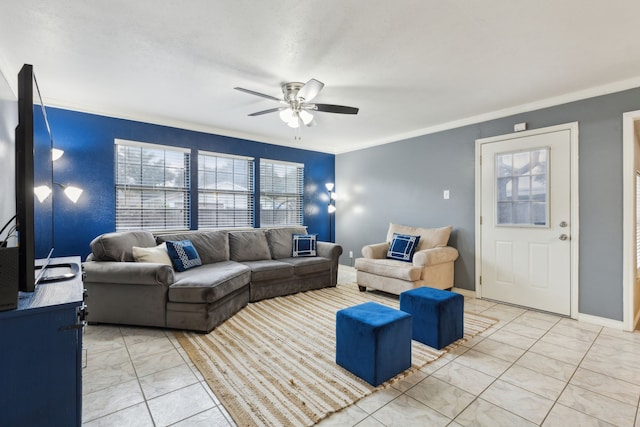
(42, 176)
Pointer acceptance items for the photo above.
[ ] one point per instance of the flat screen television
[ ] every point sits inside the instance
(34, 167)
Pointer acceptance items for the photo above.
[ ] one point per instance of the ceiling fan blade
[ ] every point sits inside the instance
(252, 92)
(310, 90)
(341, 109)
(270, 110)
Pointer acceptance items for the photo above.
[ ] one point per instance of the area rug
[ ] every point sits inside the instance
(273, 363)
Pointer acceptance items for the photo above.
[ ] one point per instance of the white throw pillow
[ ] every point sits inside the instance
(157, 254)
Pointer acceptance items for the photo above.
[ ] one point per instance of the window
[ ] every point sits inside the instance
(522, 188)
(225, 191)
(281, 193)
(152, 187)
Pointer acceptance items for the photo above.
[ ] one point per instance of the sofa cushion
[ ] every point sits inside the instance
(280, 239)
(209, 283)
(183, 255)
(248, 245)
(402, 247)
(158, 254)
(308, 265)
(389, 268)
(269, 270)
(117, 246)
(304, 245)
(429, 237)
(213, 246)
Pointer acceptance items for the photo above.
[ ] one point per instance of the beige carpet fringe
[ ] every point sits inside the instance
(273, 363)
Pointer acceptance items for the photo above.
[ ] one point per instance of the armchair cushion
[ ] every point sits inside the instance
(402, 247)
(429, 237)
(389, 268)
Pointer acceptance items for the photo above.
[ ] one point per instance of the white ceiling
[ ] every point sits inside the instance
(412, 67)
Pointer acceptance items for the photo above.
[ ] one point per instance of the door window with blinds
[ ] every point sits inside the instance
(152, 186)
(281, 193)
(225, 190)
(522, 186)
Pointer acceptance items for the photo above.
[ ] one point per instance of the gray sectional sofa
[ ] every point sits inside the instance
(238, 267)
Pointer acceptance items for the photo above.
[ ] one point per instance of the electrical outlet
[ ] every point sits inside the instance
(350, 254)
(445, 194)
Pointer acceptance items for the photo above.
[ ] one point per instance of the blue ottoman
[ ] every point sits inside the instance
(437, 315)
(373, 341)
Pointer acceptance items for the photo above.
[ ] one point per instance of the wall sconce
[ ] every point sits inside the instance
(43, 191)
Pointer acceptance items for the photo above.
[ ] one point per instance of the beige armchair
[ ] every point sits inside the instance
(432, 263)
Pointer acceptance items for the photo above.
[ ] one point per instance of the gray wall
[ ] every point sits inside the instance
(403, 183)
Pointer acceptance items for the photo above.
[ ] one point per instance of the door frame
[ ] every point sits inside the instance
(629, 318)
(575, 229)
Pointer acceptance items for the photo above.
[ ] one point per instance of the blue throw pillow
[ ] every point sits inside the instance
(183, 255)
(402, 247)
(304, 245)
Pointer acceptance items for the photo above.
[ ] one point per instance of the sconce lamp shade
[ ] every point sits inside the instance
(329, 186)
(331, 209)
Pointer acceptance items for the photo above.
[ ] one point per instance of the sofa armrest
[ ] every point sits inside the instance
(328, 250)
(376, 250)
(333, 252)
(440, 255)
(139, 273)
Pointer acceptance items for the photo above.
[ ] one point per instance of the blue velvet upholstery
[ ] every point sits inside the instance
(373, 341)
(437, 315)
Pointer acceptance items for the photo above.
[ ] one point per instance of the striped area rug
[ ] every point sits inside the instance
(273, 363)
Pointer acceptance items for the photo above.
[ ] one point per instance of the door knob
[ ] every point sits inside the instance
(563, 224)
(563, 237)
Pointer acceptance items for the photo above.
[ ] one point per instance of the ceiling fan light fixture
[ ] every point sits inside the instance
(294, 122)
(305, 116)
(286, 115)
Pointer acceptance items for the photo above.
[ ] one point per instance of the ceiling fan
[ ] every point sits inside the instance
(297, 105)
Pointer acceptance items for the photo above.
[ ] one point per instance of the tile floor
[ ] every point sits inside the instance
(530, 369)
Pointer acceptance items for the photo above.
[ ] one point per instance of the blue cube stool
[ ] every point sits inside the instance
(373, 341)
(438, 315)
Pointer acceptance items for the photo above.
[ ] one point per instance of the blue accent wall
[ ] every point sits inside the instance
(88, 162)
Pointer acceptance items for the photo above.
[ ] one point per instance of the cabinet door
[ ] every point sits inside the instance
(40, 367)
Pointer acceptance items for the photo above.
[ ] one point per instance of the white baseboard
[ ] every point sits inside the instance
(465, 292)
(601, 321)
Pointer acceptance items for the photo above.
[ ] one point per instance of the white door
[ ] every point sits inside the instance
(525, 219)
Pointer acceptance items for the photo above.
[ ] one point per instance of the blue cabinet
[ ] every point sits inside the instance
(41, 355)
